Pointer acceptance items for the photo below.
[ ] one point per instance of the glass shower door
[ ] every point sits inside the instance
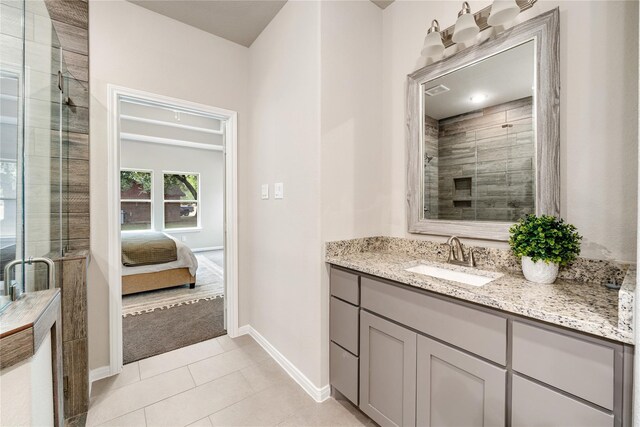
(31, 154)
(11, 140)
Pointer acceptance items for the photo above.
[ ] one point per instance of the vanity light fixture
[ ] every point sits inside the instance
(433, 46)
(503, 12)
(466, 27)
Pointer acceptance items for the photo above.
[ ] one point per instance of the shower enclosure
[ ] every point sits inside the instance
(34, 119)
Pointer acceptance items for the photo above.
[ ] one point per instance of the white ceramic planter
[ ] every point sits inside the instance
(539, 271)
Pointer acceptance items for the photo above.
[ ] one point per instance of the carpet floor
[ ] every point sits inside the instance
(163, 330)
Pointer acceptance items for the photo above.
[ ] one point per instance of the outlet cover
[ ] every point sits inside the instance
(265, 191)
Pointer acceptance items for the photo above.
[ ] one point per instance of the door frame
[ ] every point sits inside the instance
(115, 93)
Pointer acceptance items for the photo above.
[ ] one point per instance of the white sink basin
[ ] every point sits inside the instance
(453, 275)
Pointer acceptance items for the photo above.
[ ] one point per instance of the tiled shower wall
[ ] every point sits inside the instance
(486, 163)
(430, 158)
(70, 19)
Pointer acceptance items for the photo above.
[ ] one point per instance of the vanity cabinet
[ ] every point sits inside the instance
(387, 371)
(409, 357)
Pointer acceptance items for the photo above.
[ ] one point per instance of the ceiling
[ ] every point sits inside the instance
(504, 77)
(382, 4)
(240, 21)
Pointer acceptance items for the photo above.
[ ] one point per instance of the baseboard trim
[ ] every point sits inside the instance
(319, 394)
(212, 248)
(98, 374)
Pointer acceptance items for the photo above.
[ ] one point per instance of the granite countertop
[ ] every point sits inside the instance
(585, 307)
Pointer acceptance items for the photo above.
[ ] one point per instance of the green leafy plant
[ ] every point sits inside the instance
(545, 238)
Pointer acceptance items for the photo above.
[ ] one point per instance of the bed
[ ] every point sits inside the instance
(153, 260)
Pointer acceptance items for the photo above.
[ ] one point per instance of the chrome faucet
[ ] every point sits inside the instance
(456, 254)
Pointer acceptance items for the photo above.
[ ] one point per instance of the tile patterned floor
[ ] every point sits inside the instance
(220, 382)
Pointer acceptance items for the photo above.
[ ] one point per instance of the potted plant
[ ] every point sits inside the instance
(544, 243)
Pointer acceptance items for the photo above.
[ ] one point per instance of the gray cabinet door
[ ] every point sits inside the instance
(387, 371)
(456, 389)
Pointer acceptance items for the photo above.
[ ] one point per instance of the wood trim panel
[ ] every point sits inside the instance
(16, 347)
(25, 324)
(545, 30)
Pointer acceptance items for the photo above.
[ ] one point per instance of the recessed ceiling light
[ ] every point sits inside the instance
(478, 98)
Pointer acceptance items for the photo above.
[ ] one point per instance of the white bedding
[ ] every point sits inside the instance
(186, 259)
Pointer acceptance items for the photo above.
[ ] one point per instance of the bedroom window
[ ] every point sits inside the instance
(181, 200)
(135, 199)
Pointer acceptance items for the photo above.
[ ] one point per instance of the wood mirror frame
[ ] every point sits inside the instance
(545, 31)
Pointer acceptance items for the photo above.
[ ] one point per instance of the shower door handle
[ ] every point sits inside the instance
(15, 292)
(51, 269)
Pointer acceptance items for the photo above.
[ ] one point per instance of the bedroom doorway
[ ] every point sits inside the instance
(172, 233)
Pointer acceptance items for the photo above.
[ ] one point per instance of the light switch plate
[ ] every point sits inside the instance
(265, 191)
(278, 190)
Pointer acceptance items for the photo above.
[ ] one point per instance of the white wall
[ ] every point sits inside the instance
(280, 249)
(598, 112)
(136, 48)
(209, 164)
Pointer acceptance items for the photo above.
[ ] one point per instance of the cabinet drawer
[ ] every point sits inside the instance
(344, 324)
(476, 331)
(345, 286)
(343, 372)
(579, 367)
(536, 405)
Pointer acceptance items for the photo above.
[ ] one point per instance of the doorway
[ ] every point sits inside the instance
(172, 227)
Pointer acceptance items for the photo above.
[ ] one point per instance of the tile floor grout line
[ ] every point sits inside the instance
(227, 374)
(174, 369)
(152, 403)
(253, 394)
(181, 366)
(196, 385)
(192, 377)
(187, 366)
(111, 419)
(234, 403)
(140, 378)
(144, 412)
(207, 416)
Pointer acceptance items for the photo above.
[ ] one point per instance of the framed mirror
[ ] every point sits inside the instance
(483, 134)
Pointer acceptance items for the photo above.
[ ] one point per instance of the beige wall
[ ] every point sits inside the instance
(135, 48)
(316, 69)
(355, 176)
(598, 110)
(281, 251)
(26, 390)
